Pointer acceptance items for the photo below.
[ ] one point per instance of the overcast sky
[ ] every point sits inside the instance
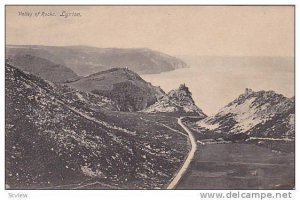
(190, 30)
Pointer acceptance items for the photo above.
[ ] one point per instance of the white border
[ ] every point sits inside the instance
(129, 194)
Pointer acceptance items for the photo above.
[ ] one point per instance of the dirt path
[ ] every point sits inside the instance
(189, 158)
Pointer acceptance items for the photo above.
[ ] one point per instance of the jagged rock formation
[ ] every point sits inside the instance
(176, 101)
(58, 137)
(43, 68)
(257, 114)
(86, 60)
(123, 86)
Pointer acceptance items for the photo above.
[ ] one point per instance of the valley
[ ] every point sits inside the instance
(111, 129)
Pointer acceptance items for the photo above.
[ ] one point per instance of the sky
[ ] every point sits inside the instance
(175, 30)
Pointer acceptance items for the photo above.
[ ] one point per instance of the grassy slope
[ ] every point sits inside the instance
(49, 145)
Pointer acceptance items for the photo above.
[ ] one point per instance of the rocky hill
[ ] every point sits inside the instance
(176, 101)
(123, 86)
(86, 60)
(60, 138)
(257, 114)
(42, 67)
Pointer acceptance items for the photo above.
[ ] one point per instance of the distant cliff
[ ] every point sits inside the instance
(86, 60)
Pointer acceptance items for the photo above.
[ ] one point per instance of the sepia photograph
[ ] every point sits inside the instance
(149, 97)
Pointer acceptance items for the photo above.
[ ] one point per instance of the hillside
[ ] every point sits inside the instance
(176, 101)
(262, 113)
(43, 68)
(85, 60)
(123, 86)
(264, 117)
(58, 137)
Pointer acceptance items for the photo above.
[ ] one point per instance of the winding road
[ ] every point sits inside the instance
(189, 158)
